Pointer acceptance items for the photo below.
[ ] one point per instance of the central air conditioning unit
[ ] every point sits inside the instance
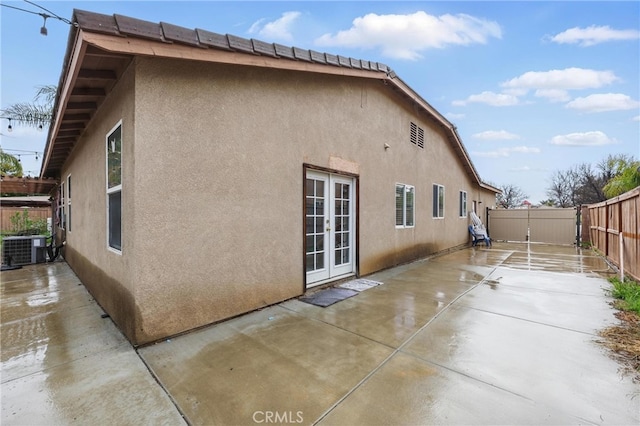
(24, 250)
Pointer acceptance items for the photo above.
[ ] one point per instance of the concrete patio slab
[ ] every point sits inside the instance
(62, 363)
(501, 335)
(410, 391)
(273, 360)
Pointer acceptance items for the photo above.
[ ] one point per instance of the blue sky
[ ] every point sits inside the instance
(533, 87)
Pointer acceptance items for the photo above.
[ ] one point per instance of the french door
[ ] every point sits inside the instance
(329, 226)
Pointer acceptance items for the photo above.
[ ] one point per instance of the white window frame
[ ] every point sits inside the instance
(406, 189)
(114, 189)
(438, 211)
(463, 204)
(62, 220)
(68, 204)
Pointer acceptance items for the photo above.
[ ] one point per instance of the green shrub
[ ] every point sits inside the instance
(627, 292)
(21, 223)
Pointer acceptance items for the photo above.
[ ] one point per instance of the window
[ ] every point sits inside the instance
(68, 215)
(438, 201)
(405, 197)
(114, 187)
(61, 218)
(463, 204)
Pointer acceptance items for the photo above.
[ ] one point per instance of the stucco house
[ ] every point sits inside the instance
(204, 175)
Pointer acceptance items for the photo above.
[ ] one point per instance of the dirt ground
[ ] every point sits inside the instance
(623, 340)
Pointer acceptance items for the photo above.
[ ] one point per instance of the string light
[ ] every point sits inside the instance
(21, 152)
(45, 16)
(43, 29)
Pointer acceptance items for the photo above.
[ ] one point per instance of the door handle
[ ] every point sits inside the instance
(328, 229)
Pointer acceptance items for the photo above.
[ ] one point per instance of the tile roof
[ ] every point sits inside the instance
(120, 25)
(100, 47)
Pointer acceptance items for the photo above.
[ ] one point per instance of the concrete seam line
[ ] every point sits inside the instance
(157, 379)
(531, 321)
(399, 348)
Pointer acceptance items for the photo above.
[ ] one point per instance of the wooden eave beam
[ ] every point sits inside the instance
(88, 91)
(71, 75)
(76, 117)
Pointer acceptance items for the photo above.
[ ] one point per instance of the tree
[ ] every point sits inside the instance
(10, 165)
(512, 196)
(628, 179)
(564, 184)
(585, 184)
(33, 114)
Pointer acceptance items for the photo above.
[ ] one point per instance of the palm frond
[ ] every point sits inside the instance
(32, 115)
(46, 93)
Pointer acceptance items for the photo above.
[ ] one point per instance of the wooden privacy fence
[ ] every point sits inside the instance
(35, 213)
(614, 230)
(543, 225)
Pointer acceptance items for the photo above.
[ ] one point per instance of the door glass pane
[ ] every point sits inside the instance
(309, 206)
(310, 263)
(314, 224)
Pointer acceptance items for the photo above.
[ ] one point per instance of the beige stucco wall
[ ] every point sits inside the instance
(219, 174)
(107, 275)
(213, 188)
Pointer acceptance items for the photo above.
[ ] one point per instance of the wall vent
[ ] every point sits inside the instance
(417, 135)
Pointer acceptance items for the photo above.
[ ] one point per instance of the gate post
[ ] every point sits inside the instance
(487, 220)
(578, 220)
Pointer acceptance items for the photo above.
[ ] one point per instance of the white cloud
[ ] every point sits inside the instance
(406, 36)
(553, 95)
(636, 118)
(496, 135)
(594, 35)
(603, 102)
(595, 138)
(280, 29)
(489, 98)
(566, 79)
(506, 152)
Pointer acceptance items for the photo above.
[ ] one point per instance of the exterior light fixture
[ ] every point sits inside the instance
(43, 29)
(9, 127)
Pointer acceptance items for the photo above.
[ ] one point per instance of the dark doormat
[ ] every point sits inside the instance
(328, 296)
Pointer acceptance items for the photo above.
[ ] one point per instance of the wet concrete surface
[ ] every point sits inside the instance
(501, 335)
(62, 363)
